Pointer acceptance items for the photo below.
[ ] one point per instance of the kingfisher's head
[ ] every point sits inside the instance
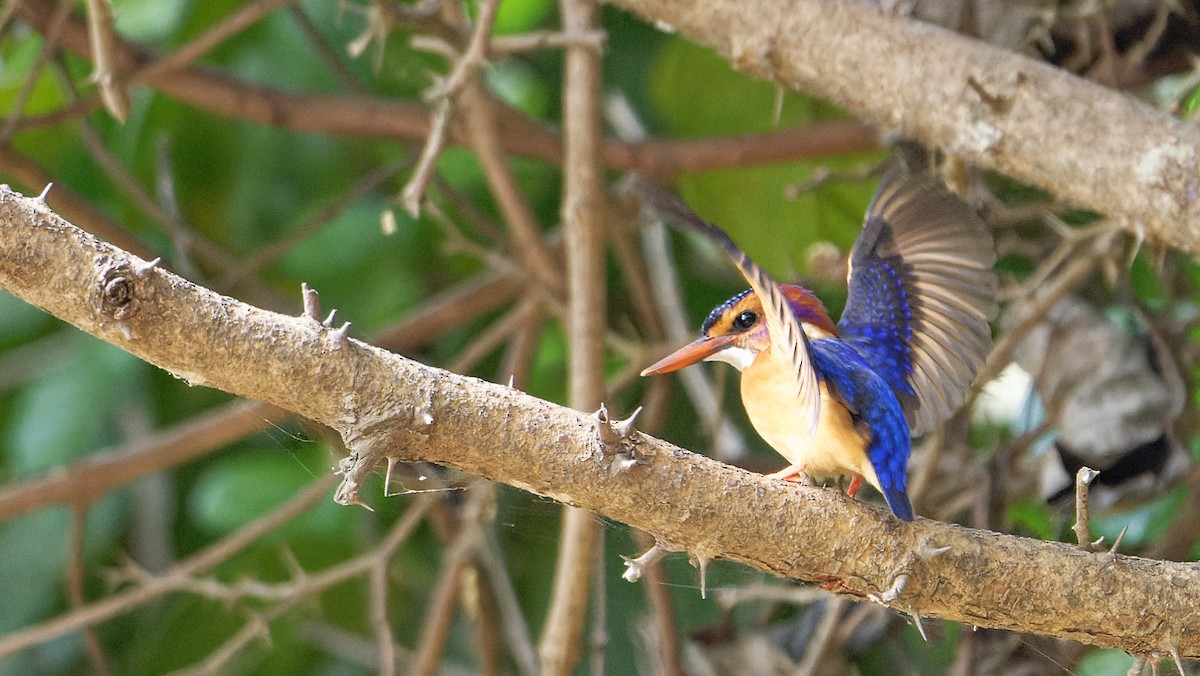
(736, 331)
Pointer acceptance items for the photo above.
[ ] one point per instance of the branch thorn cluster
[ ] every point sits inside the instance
(634, 568)
(618, 439)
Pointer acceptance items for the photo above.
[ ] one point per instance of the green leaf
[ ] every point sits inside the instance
(235, 490)
(519, 16)
(1108, 662)
(73, 408)
(1033, 517)
(21, 320)
(148, 20)
(1148, 522)
(775, 231)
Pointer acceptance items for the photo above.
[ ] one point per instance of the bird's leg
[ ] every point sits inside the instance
(855, 484)
(789, 473)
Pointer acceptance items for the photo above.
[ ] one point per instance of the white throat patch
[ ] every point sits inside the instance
(740, 357)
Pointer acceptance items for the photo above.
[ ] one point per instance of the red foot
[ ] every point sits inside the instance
(855, 484)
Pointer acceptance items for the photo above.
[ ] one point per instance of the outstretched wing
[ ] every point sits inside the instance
(788, 340)
(921, 293)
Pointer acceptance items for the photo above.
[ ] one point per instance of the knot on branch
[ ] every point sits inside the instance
(120, 290)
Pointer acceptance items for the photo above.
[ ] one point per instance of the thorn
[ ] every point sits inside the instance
(142, 269)
(342, 334)
(920, 626)
(356, 500)
(624, 428)
(425, 418)
(312, 302)
(621, 463)
(1097, 542)
(512, 378)
(387, 477)
(928, 552)
(293, 564)
(45, 193)
(636, 566)
(1174, 648)
(1117, 542)
(328, 323)
(702, 566)
(616, 440)
(892, 594)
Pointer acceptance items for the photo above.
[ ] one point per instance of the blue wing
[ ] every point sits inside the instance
(877, 413)
(921, 293)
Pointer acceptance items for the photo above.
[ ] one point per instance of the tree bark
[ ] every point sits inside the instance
(387, 406)
(1090, 146)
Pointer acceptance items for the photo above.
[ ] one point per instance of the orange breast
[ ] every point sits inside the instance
(836, 449)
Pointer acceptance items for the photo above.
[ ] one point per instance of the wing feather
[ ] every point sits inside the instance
(921, 294)
(788, 339)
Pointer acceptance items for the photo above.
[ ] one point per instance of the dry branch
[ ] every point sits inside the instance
(386, 405)
(1094, 147)
(584, 215)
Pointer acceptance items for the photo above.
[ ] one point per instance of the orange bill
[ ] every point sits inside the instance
(689, 354)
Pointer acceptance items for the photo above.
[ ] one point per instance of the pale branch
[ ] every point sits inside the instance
(1088, 145)
(584, 215)
(387, 406)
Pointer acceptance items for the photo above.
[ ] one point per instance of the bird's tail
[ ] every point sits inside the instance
(897, 500)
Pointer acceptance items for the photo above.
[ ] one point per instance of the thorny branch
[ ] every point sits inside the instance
(407, 410)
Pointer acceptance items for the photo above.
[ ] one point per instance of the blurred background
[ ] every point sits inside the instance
(147, 526)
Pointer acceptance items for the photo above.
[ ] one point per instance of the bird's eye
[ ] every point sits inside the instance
(745, 320)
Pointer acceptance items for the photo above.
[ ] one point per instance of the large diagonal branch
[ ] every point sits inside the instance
(1093, 147)
(387, 406)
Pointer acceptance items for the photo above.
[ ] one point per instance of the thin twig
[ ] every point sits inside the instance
(585, 213)
(103, 40)
(200, 45)
(822, 637)
(364, 186)
(464, 71)
(50, 46)
(518, 358)
(444, 599)
(527, 244)
(377, 603)
(598, 636)
(292, 593)
(516, 631)
(520, 316)
(662, 607)
(75, 571)
(413, 193)
(126, 600)
(1082, 533)
(535, 40)
(330, 56)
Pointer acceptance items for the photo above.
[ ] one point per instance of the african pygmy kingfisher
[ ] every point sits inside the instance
(845, 399)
